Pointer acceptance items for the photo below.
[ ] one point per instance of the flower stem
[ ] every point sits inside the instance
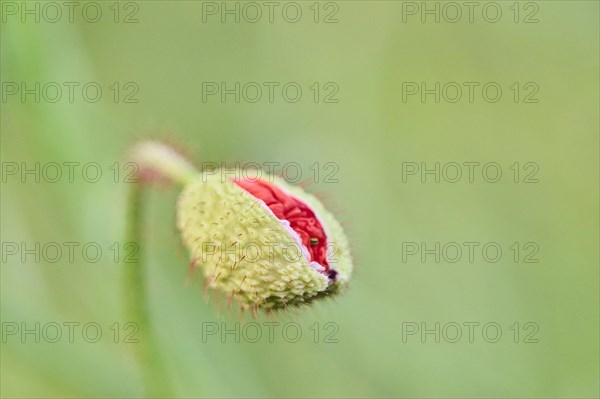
(160, 160)
(155, 159)
(153, 377)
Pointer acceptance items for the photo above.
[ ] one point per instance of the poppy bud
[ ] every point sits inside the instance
(262, 241)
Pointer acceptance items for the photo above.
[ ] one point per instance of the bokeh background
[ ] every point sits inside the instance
(369, 133)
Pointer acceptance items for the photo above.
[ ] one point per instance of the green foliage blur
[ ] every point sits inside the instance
(374, 134)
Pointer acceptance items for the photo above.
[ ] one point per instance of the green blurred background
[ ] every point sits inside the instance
(368, 133)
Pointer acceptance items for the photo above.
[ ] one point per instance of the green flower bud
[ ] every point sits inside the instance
(264, 242)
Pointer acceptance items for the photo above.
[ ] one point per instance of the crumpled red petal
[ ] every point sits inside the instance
(302, 219)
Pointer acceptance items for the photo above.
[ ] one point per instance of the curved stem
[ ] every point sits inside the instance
(155, 158)
(158, 159)
(154, 379)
